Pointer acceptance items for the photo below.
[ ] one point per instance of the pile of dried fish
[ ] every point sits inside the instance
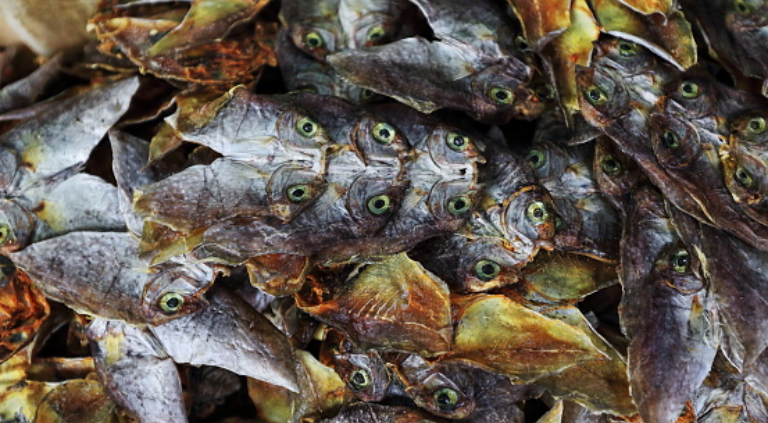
(337, 211)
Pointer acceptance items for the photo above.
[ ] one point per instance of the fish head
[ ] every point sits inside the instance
(676, 142)
(603, 98)
(176, 292)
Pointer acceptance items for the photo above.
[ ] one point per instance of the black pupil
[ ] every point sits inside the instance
(535, 159)
(375, 35)
(314, 41)
(625, 47)
(681, 260)
(754, 125)
(16, 337)
(611, 165)
(444, 400)
(379, 204)
(688, 88)
(487, 269)
(594, 95)
(502, 95)
(742, 7)
(358, 379)
(458, 141)
(172, 303)
(367, 93)
(384, 133)
(308, 127)
(298, 193)
(460, 204)
(742, 176)
(538, 213)
(669, 139)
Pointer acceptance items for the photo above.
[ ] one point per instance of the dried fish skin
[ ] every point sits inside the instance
(113, 285)
(382, 414)
(458, 390)
(664, 292)
(489, 90)
(366, 375)
(616, 174)
(409, 313)
(196, 44)
(304, 74)
(256, 128)
(230, 334)
(747, 24)
(136, 372)
(472, 264)
(588, 223)
(744, 159)
(527, 345)
(49, 143)
(558, 278)
(324, 395)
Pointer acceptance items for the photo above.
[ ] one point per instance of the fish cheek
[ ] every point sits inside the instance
(675, 144)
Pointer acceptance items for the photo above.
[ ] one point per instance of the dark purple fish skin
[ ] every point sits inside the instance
(616, 174)
(457, 390)
(137, 373)
(378, 413)
(467, 80)
(472, 264)
(26, 91)
(366, 374)
(745, 161)
(589, 225)
(734, 55)
(629, 127)
(231, 335)
(736, 270)
(303, 73)
(666, 312)
(747, 23)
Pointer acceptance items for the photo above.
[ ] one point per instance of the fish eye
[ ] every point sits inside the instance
(595, 96)
(545, 92)
(306, 127)
(379, 204)
(360, 379)
(457, 141)
(742, 7)
(536, 158)
(756, 125)
(375, 34)
(171, 302)
(298, 193)
(446, 398)
(501, 95)
(313, 40)
(487, 270)
(537, 212)
(681, 261)
(384, 133)
(689, 89)
(743, 177)
(670, 140)
(366, 94)
(611, 166)
(628, 48)
(5, 232)
(458, 206)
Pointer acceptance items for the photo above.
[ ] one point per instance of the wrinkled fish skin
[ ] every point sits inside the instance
(744, 160)
(664, 293)
(136, 371)
(589, 225)
(377, 413)
(230, 334)
(478, 73)
(112, 285)
(457, 390)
